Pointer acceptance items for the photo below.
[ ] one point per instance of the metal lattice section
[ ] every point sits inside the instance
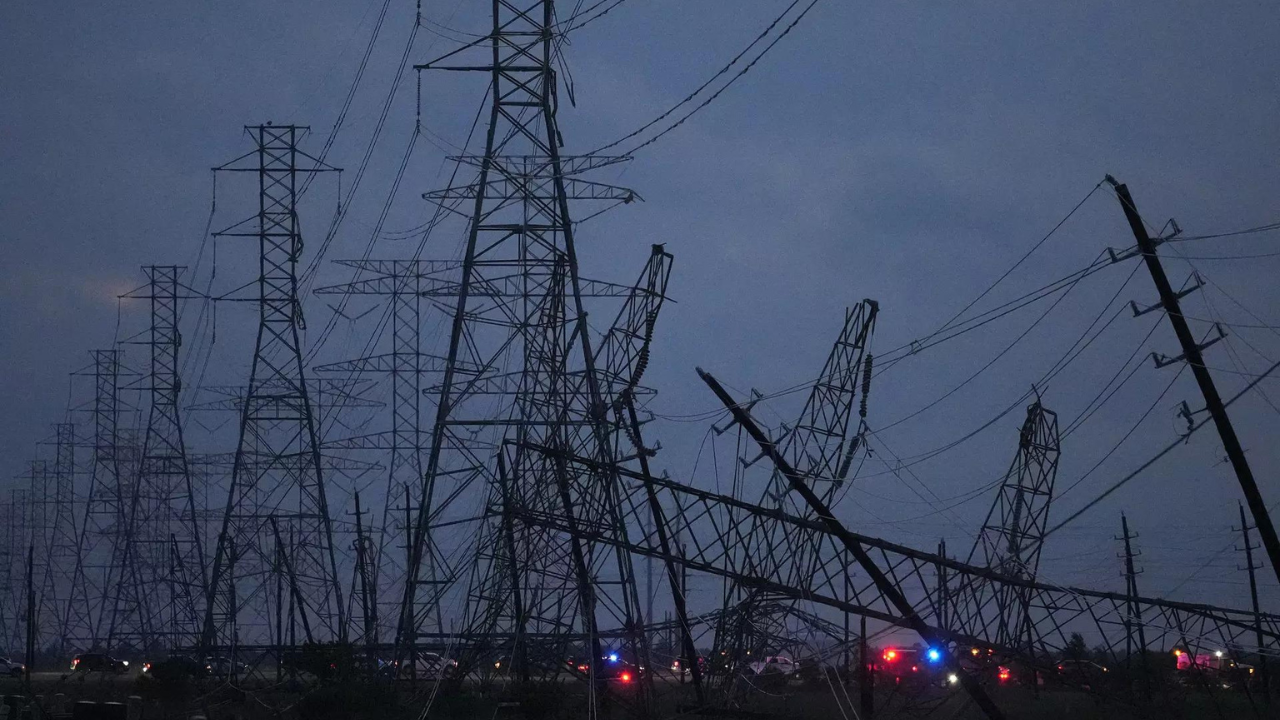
(713, 546)
(276, 529)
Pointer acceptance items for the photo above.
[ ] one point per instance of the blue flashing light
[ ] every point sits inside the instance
(613, 657)
(934, 655)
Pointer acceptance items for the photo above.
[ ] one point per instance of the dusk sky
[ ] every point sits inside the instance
(909, 153)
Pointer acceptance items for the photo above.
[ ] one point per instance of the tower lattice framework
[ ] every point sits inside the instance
(1012, 534)
(521, 371)
(104, 572)
(276, 534)
(55, 569)
(168, 548)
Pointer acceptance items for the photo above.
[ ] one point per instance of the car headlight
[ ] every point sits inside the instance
(126, 663)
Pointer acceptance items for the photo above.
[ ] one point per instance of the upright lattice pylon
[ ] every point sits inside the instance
(404, 442)
(103, 559)
(276, 530)
(14, 537)
(167, 550)
(520, 370)
(55, 571)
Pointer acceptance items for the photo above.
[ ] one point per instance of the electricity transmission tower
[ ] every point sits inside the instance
(167, 544)
(404, 282)
(55, 565)
(1012, 534)
(520, 342)
(14, 514)
(104, 566)
(821, 444)
(276, 525)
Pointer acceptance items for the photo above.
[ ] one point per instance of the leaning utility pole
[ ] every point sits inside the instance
(277, 477)
(1134, 618)
(1253, 595)
(1192, 355)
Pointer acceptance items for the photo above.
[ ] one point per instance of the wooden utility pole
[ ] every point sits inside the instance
(1134, 618)
(1257, 614)
(368, 605)
(31, 619)
(865, 677)
(1191, 354)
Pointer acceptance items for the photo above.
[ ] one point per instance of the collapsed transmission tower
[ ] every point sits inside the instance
(276, 525)
(1012, 534)
(520, 341)
(821, 445)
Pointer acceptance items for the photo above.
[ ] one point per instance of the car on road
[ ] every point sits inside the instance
(98, 662)
(175, 667)
(680, 668)
(428, 666)
(11, 668)
(223, 667)
(773, 665)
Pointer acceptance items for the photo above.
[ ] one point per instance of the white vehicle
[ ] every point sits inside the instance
(11, 667)
(430, 666)
(780, 664)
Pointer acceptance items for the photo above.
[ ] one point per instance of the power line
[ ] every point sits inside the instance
(1269, 227)
(1120, 483)
(691, 96)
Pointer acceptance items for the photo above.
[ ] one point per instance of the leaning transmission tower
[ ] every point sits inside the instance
(524, 379)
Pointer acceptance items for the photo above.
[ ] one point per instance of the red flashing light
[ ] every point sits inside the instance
(626, 677)
(890, 655)
(582, 668)
(914, 668)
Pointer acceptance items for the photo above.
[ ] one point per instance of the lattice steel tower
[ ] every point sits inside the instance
(521, 372)
(104, 564)
(276, 528)
(403, 281)
(168, 547)
(1012, 535)
(56, 574)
